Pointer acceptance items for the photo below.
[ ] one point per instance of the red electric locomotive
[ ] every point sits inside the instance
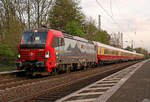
(48, 50)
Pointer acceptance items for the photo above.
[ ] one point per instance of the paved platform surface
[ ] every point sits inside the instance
(136, 88)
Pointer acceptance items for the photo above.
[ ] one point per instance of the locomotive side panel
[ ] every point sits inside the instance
(70, 51)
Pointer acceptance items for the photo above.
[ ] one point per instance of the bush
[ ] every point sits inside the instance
(7, 57)
(5, 51)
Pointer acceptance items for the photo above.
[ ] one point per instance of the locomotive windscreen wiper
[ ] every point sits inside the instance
(32, 37)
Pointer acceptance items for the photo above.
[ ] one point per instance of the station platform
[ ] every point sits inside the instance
(136, 88)
(131, 84)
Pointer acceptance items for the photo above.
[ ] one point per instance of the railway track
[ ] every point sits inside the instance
(54, 87)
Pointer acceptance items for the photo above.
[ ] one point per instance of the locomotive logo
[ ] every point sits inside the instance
(82, 46)
(31, 54)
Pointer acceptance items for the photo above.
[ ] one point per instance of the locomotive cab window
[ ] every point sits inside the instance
(61, 41)
(57, 41)
(32, 39)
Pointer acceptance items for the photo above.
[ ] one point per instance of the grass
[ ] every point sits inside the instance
(7, 63)
(7, 68)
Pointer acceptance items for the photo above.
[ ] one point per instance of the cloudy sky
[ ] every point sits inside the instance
(132, 17)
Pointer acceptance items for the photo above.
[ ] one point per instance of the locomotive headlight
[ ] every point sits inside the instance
(47, 54)
(19, 55)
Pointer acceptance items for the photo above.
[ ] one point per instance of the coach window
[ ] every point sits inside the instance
(116, 53)
(98, 50)
(102, 51)
(110, 52)
(105, 51)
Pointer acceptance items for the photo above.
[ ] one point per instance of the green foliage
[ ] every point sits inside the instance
(93, 33)
(64, 12)
(142, 51)
(103, 37)
(138, 50)
(128, 48)
(90, 30)
(12, 32)
(5, 50)
(74, 28)
(7, 57)
(4, 68)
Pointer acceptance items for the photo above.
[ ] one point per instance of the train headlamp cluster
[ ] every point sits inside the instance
(18, 55)
(47, 54)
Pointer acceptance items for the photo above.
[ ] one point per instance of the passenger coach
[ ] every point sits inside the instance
(109, 54)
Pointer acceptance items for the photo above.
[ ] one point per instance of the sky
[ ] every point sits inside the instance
(131, 17)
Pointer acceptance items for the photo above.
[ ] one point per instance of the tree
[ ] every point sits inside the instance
(128, 48)
(5, 50)
(93, 33)
(63, 12)
(74, 28)
(90, 29)
(37, 11)
(141, 51)
(104, 37)
(11, 26)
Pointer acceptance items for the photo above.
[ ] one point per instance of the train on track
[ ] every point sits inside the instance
(52, 51)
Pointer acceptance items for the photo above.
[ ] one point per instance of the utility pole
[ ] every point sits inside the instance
(122, 40)
(132, 45)
(99, 21)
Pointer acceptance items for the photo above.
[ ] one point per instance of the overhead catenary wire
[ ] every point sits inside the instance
(108, 14)
(111, 10)
(129, 27)
(111, 16)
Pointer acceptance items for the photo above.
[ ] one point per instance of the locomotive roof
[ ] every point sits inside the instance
(77, 38)
(39, 30)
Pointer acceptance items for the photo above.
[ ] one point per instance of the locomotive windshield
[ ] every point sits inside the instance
(33, 40)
